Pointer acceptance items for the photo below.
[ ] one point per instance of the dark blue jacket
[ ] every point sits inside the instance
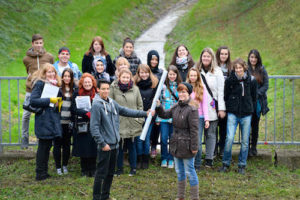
(47, 123)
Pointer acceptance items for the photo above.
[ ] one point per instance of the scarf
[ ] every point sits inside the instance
(53, 82)
(182, 62)
(145, 84)
(91, 93)
(125, 87)
(241, 80)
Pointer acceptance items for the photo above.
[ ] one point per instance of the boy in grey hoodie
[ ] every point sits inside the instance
(104, 126)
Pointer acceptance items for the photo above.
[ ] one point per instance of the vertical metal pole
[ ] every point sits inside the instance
(9, 110)
(19, 141)
(266, 127)
(293, 95)
(275, 111)
(1, 147)
(283, 103)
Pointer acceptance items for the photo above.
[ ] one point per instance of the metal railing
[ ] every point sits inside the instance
(277, 140)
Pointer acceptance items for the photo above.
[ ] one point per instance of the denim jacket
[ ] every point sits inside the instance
(74, 68)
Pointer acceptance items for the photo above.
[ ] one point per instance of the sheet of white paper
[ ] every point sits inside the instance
(50, 91)
(83, 102)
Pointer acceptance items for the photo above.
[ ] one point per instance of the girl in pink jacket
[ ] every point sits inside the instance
(199, 94)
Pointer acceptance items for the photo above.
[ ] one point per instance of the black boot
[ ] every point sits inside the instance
(145, 164)
(139, 161)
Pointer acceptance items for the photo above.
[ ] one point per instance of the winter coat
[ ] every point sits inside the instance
(147, 94)
(133, 60)
(83, 143)
(33, 61)
(167, 100)
(47, 123)
(184, 139)
(262, 90)
(240, 98)
(129, 127)
(156, 71)
(87, 64)
(105, 122)
(215, 82)
(73, 66)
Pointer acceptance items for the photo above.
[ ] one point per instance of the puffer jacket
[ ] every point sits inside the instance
(47, 123)
(129, 127)
(133, 60)
(185, 128)
(33, 61)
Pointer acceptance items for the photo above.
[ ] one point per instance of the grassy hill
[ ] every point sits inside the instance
(71, 23)
(270, 26)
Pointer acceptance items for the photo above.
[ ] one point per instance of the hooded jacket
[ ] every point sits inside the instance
(156, 71)
(33, 61)
(133, 60)
(132, 99)
(184, 139)
(240, 95)
(105, 122)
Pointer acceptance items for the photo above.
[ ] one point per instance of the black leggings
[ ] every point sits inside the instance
(42, 157)
(254, 129)
(154, 135)
(63, 144)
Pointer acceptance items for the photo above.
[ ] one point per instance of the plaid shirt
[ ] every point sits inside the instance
(167, 100)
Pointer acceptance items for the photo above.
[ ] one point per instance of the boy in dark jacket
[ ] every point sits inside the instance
(104, 128)
(240, 97)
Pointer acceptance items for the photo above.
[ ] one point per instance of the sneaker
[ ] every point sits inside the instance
(65, 169)
(224, 169)
(132, 172)
(241, 170)
(208, 163)
(153, 153)
(171, 164)
(119, 172)
(164, 163)
(59, 172)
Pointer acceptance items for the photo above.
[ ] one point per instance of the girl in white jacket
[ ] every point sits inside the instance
(213, 80)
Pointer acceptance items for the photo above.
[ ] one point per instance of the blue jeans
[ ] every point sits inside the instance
(185, 167)
(232, 122)
(199, 153)
(131, 146)
(143, 147)
(166, 130)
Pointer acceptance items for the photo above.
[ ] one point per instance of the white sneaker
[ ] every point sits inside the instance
(65, 169)
(59, 172)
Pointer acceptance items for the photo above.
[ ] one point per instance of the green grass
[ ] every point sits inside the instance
(262, 181)
(269, 26)
(71, 23)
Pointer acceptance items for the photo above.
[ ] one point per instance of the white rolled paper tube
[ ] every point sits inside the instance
(157, 94)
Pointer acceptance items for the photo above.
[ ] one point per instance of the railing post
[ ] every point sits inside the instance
(1, 147)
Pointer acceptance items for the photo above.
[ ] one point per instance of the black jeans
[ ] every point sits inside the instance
(154, 135)
(254, 129)
(220, 140)
(63, 144)
(42, 157)
(104, 174)
(88, 164)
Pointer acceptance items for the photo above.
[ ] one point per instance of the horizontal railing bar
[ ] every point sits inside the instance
(284, 76)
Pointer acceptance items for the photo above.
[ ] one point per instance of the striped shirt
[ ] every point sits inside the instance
(66, 108)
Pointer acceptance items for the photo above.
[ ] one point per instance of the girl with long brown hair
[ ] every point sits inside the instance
(200, 96)
(97, 51)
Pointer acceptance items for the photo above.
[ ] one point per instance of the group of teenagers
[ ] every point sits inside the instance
(213, 96)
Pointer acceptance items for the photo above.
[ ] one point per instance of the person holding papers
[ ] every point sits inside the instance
(47, 122)
(84, 145)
